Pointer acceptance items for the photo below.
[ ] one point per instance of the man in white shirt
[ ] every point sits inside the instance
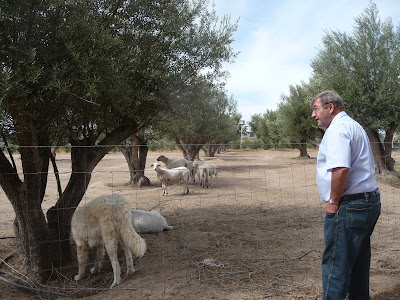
(347, 185)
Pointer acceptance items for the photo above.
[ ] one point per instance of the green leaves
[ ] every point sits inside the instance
(102, 62)
(363, 67)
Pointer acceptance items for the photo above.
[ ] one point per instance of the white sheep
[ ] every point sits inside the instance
(176, 163)
(202, 170)
(212, 170)
(196, 164)
(172, 176)
(144, 221)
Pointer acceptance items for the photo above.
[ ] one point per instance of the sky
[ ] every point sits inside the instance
(277, 39)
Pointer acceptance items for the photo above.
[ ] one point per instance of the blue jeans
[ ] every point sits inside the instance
(347, 256)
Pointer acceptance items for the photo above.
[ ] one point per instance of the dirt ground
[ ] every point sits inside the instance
(256, 234)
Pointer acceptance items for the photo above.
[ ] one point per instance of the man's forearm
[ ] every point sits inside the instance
(338, 184)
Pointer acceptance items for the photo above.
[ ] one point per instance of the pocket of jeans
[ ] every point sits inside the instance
(331, 215)
(358, 219)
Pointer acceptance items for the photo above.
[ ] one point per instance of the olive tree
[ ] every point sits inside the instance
(268, 127)
(202, 115)
(364, 67)
(93, 73)
(297, 124)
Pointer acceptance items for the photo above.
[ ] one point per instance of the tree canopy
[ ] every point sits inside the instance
(91, 73)
(267, 126)
(364, 67)
(204, 115)
(296, 121)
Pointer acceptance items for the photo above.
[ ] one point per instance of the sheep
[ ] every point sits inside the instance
(144, 221)
(175, 163)
(172, 176)
(212, 170)
(203, 175)
(196, 164)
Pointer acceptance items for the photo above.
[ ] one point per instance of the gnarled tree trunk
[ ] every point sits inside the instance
(26, 196)
(212, 148)
(190, 151)
(302, 146)
(41, 245)
(136, 155)
(276, 145)
(382, 150)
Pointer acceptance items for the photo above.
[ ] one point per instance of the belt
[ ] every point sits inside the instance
(360, 196)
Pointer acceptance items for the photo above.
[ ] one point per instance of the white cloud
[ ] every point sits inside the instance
(266, 67)
(278, 39)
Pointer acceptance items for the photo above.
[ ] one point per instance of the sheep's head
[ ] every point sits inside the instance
(161, 158)
(155, 165)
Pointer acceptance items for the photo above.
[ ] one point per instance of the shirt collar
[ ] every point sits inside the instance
(338, 116)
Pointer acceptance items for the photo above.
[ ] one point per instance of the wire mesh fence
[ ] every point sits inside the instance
(255, 234)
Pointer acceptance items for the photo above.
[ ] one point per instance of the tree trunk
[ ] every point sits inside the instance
(193, 151)
(313, 143)
(83, 161)
(56, 173)
(388, 147)
(44, 246)
(26, 196)
(190, 151)
(181, 148)
(84, 158)
(382, 152)
(266, 144)
(212, 148)
(276, 145)
(302, 146)
(136, 155)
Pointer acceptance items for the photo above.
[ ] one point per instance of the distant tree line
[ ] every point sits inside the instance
(363, 67)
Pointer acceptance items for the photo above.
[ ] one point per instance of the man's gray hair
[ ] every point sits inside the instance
(329, 97)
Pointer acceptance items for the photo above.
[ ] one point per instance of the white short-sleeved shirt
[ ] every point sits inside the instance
(345, 144)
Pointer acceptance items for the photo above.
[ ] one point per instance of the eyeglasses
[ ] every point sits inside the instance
(316, 107)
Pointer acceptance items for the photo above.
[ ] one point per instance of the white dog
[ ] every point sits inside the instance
(105, 221)
(144, 221)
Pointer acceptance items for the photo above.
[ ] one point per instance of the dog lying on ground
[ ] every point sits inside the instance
(144, 221)
(105, 221)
